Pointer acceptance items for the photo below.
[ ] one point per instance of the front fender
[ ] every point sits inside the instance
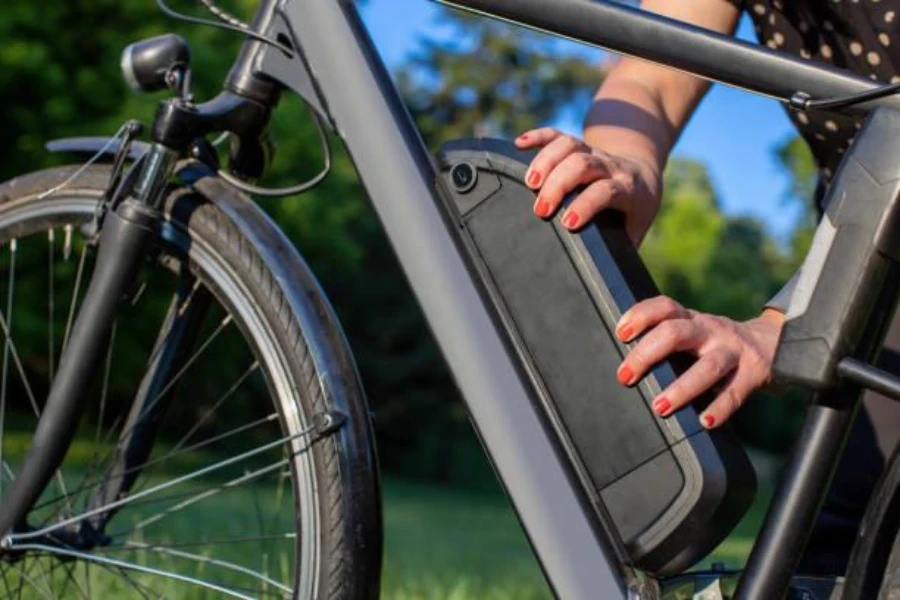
(331, 354)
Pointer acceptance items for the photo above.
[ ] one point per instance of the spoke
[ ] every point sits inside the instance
(7, 343)
(16, 537)
(140, 587)
(125, 565)
(187, 365)
(213, 542)
(71, 577)
(207, 493)
(207, 560)
(67, 243)
(216, 406)
(24, 577)
(74, 300)
(87, 578)
(97, 482)
(51, 351)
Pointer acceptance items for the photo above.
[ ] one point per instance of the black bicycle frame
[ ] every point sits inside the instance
(338, 71)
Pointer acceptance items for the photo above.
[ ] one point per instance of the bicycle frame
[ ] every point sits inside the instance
(336, 68)
(340, 73)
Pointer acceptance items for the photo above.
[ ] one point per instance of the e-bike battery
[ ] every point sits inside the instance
(670, 489)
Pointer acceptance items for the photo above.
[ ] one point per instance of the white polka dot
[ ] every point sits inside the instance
(873, 58)
(805, 53)
(873, 76)
(779, 38)
(885, 39)
(856, 48)
(771, 44)
(772, 19)
(777, 4)
(827, 25)
(803, 118)
(759, 9)
(889, 16)
(840, 150)
(820, 137)
(825, 50)
(827, 172)
(831, 125)
(895, 79)
(803, 26)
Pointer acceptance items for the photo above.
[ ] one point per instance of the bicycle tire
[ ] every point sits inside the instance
(319, 374)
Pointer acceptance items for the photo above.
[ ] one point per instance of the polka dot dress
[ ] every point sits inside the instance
(858, 35)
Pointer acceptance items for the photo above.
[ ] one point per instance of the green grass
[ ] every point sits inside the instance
(440, 543)
(447, 544)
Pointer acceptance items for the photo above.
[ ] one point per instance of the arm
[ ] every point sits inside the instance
(635, 119)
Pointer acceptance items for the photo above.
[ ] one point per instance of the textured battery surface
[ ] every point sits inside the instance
(570, 347)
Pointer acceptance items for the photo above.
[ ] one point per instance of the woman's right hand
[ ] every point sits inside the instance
(627, 184)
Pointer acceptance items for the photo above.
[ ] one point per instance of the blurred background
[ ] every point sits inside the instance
(735, 222)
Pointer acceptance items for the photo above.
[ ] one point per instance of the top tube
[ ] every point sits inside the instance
(641, 34)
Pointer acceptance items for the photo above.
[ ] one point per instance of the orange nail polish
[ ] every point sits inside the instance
(534, 179)
(625, 375)
(662, 406)
(626, 332)
(709, 420)
(542, 208)
(570, 220)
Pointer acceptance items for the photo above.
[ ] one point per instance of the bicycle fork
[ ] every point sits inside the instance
(123, 240)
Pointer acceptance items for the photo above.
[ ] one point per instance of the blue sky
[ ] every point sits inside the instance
(734, 133)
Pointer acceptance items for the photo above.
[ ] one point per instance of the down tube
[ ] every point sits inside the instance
(396, 169)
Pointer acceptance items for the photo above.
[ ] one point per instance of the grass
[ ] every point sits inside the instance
(440, 543)
(447, 544)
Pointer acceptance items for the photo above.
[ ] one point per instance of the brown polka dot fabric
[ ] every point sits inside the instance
(858, 35)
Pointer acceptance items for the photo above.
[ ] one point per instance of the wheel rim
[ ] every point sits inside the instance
(271, 365)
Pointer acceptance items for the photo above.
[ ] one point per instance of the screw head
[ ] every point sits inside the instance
(464, 177)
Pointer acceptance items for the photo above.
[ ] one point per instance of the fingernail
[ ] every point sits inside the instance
(523, 137)
(625, 332)
(625, 375)
(542, 208)
(570, 220)
(662, 406)
(534, 179)
(709, 420)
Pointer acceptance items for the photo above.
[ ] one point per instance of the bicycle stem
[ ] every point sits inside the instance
(123, 240)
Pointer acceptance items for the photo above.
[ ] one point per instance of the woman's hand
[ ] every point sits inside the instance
(626, 184)
(738, 354)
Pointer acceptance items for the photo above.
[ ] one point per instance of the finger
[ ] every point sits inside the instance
(537, 137)
(728, 402)
(600, 195)
(572, 171)
(676, 335)
(648, 313)
(550, 156)
(700, 377)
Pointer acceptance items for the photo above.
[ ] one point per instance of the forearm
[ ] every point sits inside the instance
(628, 118)
(641, 108)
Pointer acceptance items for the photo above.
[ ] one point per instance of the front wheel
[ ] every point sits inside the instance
(226, 449)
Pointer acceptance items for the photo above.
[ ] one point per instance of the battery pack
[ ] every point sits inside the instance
(669, 489)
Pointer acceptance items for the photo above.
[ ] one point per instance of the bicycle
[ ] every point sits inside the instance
(162, 219)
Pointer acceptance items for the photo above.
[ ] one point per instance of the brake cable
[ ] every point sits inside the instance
(229, 22)
(803, 101)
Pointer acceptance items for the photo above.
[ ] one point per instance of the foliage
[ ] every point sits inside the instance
(61, 61)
